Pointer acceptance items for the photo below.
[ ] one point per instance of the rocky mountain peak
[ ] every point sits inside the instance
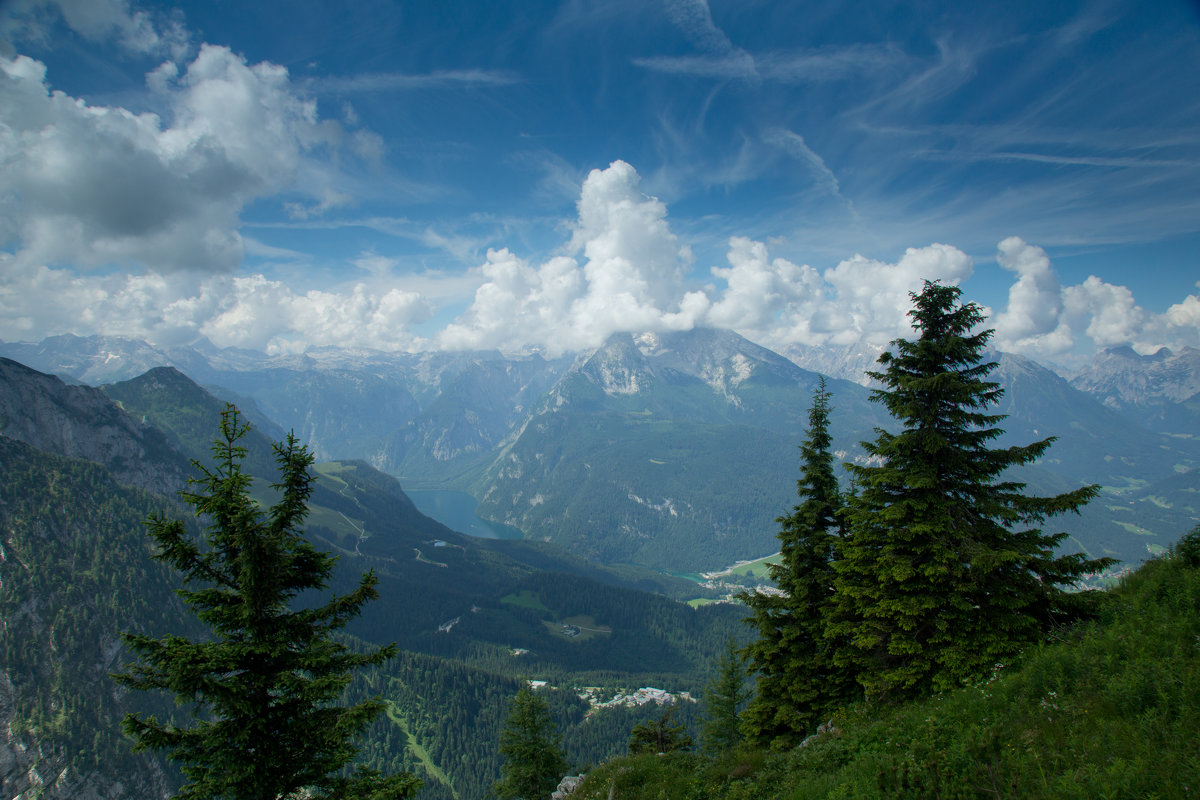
(1122, 378)
(81, 422)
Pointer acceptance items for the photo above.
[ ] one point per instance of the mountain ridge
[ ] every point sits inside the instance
(571, 449)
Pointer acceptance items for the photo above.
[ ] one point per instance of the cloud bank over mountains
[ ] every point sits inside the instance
(126, 222)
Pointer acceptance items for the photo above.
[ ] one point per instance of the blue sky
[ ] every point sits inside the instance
(421, 175)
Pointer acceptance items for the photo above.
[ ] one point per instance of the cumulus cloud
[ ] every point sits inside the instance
(632, 279)
(1033, 319)
(264, 314)
(1053, 322)
(873, 296)
(95, 185)
(1180, 324)
(858, 301)
(623, 270)
(249, 311)
(1185, 314)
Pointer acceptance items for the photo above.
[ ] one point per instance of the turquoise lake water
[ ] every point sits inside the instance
(456, 510)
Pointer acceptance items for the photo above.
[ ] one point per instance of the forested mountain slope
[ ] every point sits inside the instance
(80, 422)
(76, 570)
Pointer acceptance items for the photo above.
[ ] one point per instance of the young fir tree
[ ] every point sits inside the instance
(660, 735)
(532, 749)
(796, 681)
(263, 688)
(944, 573)
(724, 698)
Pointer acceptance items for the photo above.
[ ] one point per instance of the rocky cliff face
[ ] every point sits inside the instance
(81, 422)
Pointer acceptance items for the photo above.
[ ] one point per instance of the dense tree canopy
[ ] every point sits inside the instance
(264, 686)
(944, 572)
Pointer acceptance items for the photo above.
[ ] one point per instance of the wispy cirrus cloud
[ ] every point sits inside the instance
(1055, 158)
(814, 65)
(409, 81)
(722, 67)
(794, 145)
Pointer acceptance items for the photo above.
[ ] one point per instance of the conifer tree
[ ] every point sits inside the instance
(796, 682)
(724, 698)
(660, 735)
(263, 688)
(532, 749)
(944, 572)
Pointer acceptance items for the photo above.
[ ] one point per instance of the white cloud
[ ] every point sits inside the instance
(330, 199)
(248, 311)
(1033, 318)
(1185, 314)
(859, 302)
(402, 81)
(136, 31)
(1109, 312)
(263, 314)
(631, 278)
(872, 297)
(622, 269)
(794, 145)
(1180, 324)
(95, 185)
(762, 294)
(1051, 322)
(722, 67)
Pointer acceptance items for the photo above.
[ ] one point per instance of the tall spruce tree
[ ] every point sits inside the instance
(796, 681)
(944, 572)
(263, 688)
(532, 749)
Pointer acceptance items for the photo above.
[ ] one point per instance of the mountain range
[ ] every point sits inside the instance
(675, 451)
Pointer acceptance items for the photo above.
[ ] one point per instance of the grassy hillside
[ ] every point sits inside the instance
(1107, 709)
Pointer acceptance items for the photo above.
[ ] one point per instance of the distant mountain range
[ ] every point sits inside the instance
(1162, 390)
(676, 451)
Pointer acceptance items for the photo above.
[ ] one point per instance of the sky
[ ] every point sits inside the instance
(531, 175)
